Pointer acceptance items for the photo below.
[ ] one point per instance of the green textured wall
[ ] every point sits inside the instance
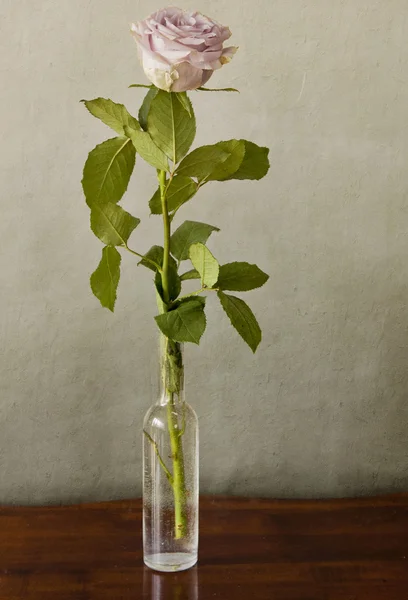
(321, 410)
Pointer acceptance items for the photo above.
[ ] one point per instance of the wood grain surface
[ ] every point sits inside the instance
(249, 549)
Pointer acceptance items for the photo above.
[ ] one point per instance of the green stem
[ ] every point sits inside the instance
(154, 264)
(179, 485)
(167, 232)
(177, 456)
(161, 461)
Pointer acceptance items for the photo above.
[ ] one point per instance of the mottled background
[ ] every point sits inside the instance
(321, 410)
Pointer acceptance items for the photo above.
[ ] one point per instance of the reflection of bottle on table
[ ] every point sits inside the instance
(170, 586)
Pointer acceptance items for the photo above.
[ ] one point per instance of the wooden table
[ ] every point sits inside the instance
(249, 549)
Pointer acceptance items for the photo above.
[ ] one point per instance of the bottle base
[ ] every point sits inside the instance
(170, 561)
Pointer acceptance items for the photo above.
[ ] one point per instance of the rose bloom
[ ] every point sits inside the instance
(179, 50)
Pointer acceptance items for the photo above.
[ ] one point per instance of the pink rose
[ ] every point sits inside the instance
(179, 50)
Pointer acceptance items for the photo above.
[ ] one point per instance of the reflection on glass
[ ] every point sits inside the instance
(166, 586)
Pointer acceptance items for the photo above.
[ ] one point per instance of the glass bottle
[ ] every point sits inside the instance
(170, 470)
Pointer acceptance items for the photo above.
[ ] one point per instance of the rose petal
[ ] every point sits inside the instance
(152, 60)
(160, 78)
(137, 29)
(206, 76)
(174, 28)
(196, 43)
(172, 51)
(205, 60)
(189, 78)
(172, 12)
(228, 54)
(165, 32)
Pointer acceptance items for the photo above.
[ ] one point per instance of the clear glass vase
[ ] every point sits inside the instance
(170, 470)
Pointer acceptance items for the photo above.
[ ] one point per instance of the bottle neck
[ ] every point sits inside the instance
(171, 371)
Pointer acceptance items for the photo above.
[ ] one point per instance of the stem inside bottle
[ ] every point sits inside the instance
(172, 376)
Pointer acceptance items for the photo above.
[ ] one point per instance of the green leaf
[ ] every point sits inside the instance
(190, 232)
(192, 274)
(108, 170)
(156, 254)
(147, 149)
(241, 277)
(255, 164)
(184, 101)
(171, 127)
(105, 279)
(203, 161)
(236, 151)
(112, 114)
(242, 318)
(144, 109)
(204, 89)
(181, 189)
(174, 281)
(111, 224)
(205, 264)
(161, 306)
(141, 85)
(200, 299)
(184, 324)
